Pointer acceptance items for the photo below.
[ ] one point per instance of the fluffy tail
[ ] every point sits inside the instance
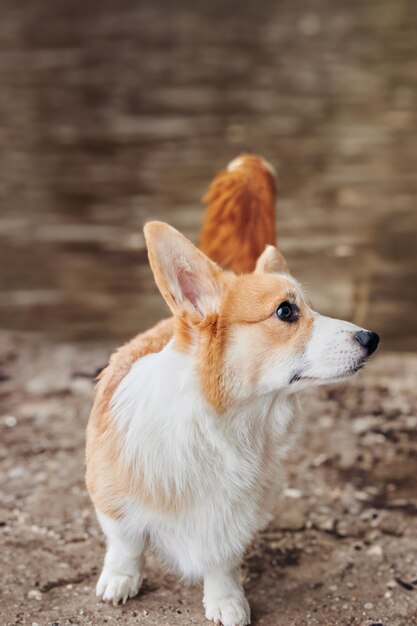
(240, 216)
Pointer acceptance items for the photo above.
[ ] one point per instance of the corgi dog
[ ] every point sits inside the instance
(192, 419)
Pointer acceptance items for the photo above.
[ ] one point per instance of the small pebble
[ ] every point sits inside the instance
(375, 551)
(368, 606)
(293, 493)
(16, 472)
(34, 594)
(10, 421)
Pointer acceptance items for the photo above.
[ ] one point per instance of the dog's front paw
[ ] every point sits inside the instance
(232, 610)
(117, 588)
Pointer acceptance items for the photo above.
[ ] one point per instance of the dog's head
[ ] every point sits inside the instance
(250, 334)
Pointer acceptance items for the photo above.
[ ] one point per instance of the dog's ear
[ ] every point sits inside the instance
(186, 278)
(272, 261)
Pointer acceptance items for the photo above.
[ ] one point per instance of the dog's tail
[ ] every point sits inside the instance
(239, 219)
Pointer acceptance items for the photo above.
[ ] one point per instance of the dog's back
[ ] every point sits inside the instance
(240, 215)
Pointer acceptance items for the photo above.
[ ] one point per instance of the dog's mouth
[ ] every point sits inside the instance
(300, 377)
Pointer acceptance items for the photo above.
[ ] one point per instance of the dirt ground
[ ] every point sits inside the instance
(342, 551)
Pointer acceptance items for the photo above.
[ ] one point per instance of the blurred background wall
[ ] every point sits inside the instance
(113, 113)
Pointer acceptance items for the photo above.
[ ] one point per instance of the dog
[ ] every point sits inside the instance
(192, 419)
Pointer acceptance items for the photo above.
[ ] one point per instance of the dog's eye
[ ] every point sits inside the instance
(288, 312)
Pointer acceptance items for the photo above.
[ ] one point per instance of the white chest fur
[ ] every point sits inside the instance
(224, 469)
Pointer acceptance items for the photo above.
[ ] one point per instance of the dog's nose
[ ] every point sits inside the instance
(368, 340)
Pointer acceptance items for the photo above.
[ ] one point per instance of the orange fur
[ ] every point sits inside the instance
(121, 361)
(250, 300)
(184, 332)
(240, 216)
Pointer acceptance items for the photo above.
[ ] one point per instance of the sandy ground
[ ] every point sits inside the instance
(343, 551)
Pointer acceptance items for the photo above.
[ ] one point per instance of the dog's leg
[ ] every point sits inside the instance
(122, 572)
(224, 599)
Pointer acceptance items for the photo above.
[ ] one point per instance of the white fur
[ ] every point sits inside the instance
(236, 163)
(225, 470)
(332, 351)
(331, 355)
(172, 436)
(123, 566)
